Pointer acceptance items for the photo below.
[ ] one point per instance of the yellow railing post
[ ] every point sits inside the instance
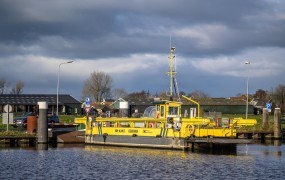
(189, 99)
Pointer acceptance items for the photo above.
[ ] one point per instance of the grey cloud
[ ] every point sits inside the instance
(93, 30)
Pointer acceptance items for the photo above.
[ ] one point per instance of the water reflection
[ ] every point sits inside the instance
(42, 146)
(271, 149)
(68, 161)
(277, 142)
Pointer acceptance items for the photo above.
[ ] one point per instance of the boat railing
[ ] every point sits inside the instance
(195, 102)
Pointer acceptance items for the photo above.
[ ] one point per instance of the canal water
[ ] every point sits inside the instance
(255, 161)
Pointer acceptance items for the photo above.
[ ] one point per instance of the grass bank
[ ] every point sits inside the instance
(15, 133)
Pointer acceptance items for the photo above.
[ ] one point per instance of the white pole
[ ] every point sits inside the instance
(58, 84)
(8, 117)
(246, 111)
(42, 125)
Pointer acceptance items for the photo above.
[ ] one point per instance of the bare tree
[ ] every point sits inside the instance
(279, 96)
(119, 93)
(2, 86)
(164, 95)
(260, 93)
(18, 89)
(140, 95)
(98, 86)
(198, 95)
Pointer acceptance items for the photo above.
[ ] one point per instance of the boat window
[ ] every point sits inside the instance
(154, 124)
(124, 124)
(162, 111)
(158, 108)
(157, 125)
(112, 124)
(106, 124)
(173, 110)
(139, 124)
(149, 112)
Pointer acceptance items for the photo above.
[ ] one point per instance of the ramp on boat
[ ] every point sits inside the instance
(72, 137)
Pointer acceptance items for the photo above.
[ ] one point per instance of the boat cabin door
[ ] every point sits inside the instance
(160, 111)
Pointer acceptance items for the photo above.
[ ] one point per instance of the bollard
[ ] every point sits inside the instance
(277, 123)
(265, 124)
(42, 123)
(31, 124)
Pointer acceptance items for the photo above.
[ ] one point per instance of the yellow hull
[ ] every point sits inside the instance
(163, 132)
(153, 127)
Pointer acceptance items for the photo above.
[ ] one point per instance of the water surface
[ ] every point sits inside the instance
(96, 162)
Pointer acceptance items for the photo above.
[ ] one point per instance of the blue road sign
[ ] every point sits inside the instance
(87, 101)
(268, 105)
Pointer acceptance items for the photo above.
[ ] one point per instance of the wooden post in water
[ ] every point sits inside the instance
(277, 123)
(265, 124)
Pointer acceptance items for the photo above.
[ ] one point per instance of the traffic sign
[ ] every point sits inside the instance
(7, 118)
(268, 107)
(87, 102)
(87, 109)
(8, 108)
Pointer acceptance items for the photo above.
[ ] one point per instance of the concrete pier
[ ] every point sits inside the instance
(42, 124)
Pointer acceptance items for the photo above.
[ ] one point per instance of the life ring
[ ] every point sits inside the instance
(170, 120)
(151, 125)
(191, 129)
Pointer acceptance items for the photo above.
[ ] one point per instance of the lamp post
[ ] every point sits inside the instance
(58, 84)
(246, 111)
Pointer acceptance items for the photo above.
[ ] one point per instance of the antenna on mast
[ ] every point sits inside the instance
(172, 73)
(170, 41)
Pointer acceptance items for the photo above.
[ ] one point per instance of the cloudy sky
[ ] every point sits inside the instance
(130, 41)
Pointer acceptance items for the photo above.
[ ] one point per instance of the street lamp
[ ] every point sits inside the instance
(58, 84)
(246, 111)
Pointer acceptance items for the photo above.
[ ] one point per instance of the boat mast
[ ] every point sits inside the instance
(172, 73)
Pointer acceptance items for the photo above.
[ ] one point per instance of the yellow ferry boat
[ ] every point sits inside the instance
(162, 125)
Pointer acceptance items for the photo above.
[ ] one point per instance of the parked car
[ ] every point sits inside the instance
(22, 121)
